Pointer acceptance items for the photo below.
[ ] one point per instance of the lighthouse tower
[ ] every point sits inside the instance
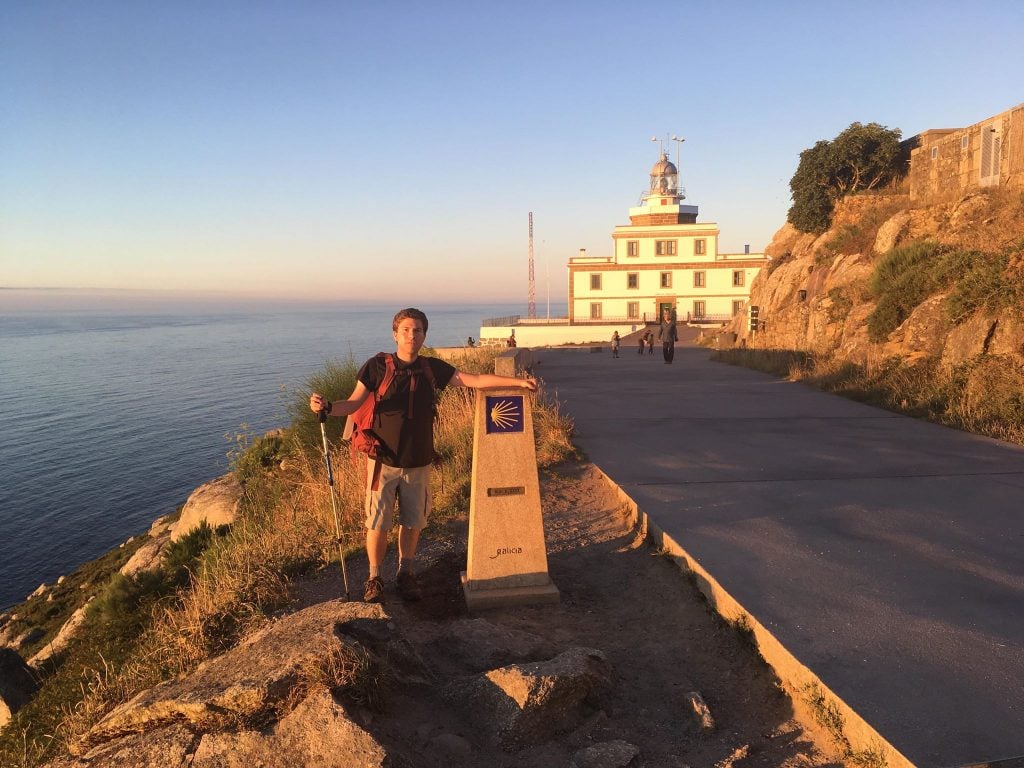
(662, 201)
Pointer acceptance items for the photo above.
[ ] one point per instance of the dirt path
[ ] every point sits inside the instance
(622, 597)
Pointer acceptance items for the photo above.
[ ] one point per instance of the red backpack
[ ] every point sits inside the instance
(359, 426)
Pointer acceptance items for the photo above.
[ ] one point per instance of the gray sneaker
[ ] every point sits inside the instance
(408, 586)
(373, 590)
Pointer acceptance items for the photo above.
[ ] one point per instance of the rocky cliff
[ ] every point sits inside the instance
(815, 295)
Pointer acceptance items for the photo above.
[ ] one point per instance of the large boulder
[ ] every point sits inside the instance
(316, 734)
(248, 683)
(967, 340)
(924, 332)
(892, 232)
(526, 704)
(215, 502)
(17, 684)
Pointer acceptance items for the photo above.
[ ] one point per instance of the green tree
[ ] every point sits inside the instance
(861, 158)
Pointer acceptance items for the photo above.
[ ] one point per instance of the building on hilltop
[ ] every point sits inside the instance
(663, 259)
(946, 162)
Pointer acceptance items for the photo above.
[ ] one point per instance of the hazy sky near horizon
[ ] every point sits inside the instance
(392, 150)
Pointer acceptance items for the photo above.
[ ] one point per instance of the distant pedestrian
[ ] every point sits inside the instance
(511, 341)
(641, 341)
(649, 336)
(615, 344)
(470, 342)
(669, 335)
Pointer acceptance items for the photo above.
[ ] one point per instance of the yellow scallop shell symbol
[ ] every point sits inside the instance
(503, 414)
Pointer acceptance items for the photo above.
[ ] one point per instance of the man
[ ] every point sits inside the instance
(407, 431)
(668, 335)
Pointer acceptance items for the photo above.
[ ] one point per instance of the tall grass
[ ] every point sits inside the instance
(984, 396)
(224, 586)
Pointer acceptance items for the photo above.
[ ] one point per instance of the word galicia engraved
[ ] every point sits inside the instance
(506, 551)
(508, 491)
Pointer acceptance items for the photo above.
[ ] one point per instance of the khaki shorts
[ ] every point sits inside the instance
(409, 486)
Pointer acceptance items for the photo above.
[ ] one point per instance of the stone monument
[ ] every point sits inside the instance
(507, 563)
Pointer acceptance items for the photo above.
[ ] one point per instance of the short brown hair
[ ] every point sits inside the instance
(409, 313)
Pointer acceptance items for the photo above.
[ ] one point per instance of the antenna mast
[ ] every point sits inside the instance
(531, 301)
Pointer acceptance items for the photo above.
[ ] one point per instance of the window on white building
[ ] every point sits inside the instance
(632, 310)
(666, 279)
(595, 282)
(632, 279)
(699, 279)
(632, 248)
(698, 309)
(665, 247)
(738, 278)
(737, 307)
(700, 246)
(595, 310)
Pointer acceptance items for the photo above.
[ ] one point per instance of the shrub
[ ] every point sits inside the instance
(840, 307)
(860, 158)
(985, 280)
(335, 380)
(252, 456)
(902, 279)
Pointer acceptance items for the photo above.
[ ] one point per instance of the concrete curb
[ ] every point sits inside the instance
(799, 681)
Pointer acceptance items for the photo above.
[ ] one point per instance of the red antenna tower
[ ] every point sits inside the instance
(531, 301)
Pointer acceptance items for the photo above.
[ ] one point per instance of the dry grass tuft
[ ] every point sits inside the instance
(342, 670)
(984, 395)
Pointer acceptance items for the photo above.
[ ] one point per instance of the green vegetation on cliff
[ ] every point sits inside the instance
(861, 158)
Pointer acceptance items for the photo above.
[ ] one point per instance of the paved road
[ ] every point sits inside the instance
(885, 553)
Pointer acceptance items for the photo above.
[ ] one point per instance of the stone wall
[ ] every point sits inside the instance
(947, 162)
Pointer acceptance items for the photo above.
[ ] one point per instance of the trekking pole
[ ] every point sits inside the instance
(322, 416)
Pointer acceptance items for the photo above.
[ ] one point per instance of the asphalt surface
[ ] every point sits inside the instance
(885, 553)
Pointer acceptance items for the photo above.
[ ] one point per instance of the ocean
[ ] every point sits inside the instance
(110, 418)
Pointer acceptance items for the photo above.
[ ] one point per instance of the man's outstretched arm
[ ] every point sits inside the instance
(488, 380)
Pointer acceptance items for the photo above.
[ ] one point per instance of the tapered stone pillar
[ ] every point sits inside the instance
(507, 563)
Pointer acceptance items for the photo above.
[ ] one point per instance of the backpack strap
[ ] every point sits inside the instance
(390, 371)
(382, 389)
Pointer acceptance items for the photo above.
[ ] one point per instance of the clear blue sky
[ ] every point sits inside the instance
(392, 150)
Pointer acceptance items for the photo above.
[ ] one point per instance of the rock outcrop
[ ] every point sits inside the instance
(62, 638)
(814, 297)
(285, 696)
(215, 503)
(248, 683)
(150, 554)
(528, 703)
(17, 684)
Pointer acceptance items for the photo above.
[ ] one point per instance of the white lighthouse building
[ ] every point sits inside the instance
(663, 259)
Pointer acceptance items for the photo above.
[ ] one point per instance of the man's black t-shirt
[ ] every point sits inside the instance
(405, 428)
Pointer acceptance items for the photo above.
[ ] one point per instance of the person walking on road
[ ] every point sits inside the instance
(669, 336)
(615, 344)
